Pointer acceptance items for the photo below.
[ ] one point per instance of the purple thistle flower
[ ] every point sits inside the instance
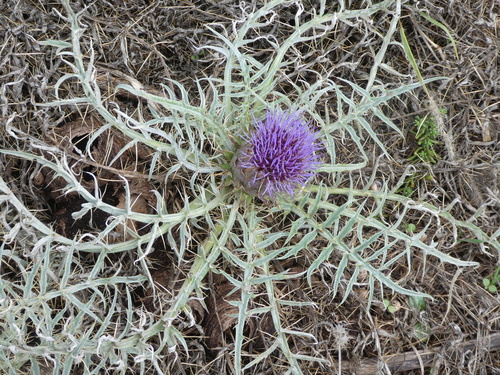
(278, 156)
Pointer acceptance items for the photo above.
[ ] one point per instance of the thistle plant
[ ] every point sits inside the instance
(83, 313)
(279, 156)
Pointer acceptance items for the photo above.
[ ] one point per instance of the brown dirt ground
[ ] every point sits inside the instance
(149, 42)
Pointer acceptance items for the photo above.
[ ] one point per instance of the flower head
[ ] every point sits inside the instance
(278, 156)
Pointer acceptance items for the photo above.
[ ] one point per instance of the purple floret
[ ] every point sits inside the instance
(280, 155)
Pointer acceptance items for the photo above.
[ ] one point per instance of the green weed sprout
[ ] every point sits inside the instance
(426, 134)
(389, 306)
(82, 315)
(490, 282)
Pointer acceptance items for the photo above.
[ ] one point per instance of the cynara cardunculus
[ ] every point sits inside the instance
(278, 156)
